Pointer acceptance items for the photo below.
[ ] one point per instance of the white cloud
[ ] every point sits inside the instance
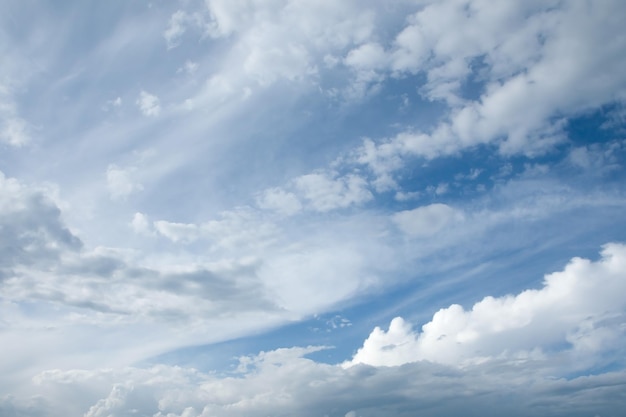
(177, 232)
(407, 196)
(148, 104)
(287, 41)
(533, 64)
(597, 159)
(369, 56)
(243, 273)
(328, 192)
(426, 220)
(120, 182)
(580, 307)
(42, 261)
(440, 189)
(140, 224)
(175, 29)
(286, 382)
(279, 200)
(338, 322)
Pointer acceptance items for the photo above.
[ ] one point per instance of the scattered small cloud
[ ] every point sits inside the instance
(140, 224)
(338, 322)
(175, 29)
(407, 195)
(120, 182)
(279, 200)
(326, 192)
(14, 130)
(426, 221)
(148, 104)
(189, 68)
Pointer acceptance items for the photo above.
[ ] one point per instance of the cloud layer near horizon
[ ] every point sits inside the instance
(503, 347)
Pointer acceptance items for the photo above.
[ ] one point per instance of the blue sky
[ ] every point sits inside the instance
(317, 208)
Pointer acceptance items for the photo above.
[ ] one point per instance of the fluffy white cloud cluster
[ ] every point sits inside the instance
(580, 307)
(535, 57)
(320, 191)
(281, 40)
(510, 75)
(276, 42)
(279, 200)
(538, 63)
(327, 193)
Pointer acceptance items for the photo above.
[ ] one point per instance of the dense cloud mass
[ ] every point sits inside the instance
(580, 307)
(284, 383)
(313, 208)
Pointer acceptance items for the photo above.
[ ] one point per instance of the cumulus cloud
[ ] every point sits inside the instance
(531, 59)
(367, 56)
(279, 200)
(286, 41)
(579, 307)
(508, 77)
(148, 104)
(511, 53)
(286, 382)
(326, 192)
(140, 224)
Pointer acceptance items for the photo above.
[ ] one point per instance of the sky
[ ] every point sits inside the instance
(317, 208)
